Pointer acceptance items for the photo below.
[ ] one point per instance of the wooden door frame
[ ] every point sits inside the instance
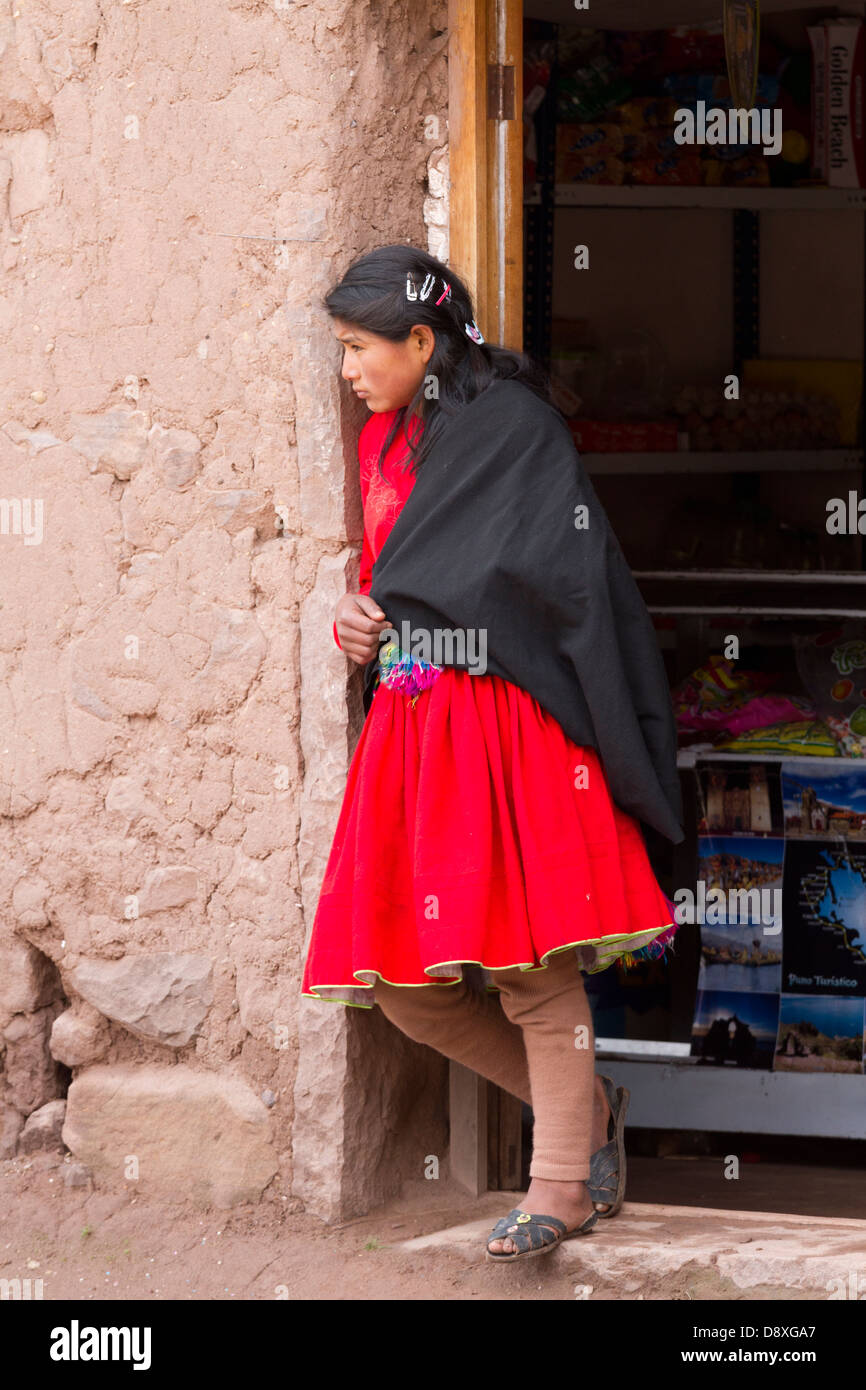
(485, 154)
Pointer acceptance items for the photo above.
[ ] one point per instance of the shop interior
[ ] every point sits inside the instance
(702, 310)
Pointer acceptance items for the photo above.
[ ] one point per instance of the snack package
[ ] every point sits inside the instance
(654, 143)
(647, 113)
(845, 74)
(761, 712)
(812, 739)
(832, 667)
(687, 89)
(818, 40)
(590, 168)
(717, 685)
(577, 142)
(681, 169)
(589, 137)
(750, 171)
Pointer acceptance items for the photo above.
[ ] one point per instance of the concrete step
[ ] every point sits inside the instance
(646, 1246)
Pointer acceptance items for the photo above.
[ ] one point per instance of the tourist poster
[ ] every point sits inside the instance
(735, 1029)
(739, 798)
(741, 921)
(823, 802)
(817, 1033)
(780, 901)
(824, 898)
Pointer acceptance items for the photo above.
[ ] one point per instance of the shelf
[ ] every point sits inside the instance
(586, 195)
(643, 1049)
(758, 576)
(667, 1093)
(687, 757)
(729, 593)
(745, 461)
(708, 610)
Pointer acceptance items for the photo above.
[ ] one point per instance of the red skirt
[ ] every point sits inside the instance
(473, 830)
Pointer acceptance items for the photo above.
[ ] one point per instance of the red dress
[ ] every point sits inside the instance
(472, 829)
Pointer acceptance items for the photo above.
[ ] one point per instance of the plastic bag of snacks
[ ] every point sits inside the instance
(718, 685)
(811, 738)
(766, 711)
(832, 667)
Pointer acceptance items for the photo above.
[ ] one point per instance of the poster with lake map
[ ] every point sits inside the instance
(824, 897)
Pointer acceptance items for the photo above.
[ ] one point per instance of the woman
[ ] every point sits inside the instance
(519, 729)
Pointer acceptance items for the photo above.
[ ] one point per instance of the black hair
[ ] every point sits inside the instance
(372, 295)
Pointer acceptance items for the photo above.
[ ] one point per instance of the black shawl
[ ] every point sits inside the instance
(502, 531)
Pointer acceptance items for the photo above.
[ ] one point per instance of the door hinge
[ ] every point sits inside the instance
(500, 92)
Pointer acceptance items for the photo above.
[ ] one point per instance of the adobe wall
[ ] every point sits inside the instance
(178, 515)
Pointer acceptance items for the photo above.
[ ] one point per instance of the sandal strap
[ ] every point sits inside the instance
(604, 1163)
(530, 1235)
(604, 1168)
(499, 1230)
(610, 1091)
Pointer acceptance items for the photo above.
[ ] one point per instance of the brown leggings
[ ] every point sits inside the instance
(539, 1045)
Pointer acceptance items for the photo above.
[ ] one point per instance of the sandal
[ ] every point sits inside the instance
(607, 1166)
(528, 1233)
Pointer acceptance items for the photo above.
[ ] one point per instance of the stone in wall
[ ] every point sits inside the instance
(194, 1134)
(43, 1128)
(79, 1036)
(163, 996)
(173, 885)
(177, 456)
(28, 903)
(11, 1125)
(32, 1075)
(28, 978)
(436, 204)
(115, 441)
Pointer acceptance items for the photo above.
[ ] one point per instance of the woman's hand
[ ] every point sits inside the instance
(359, 621)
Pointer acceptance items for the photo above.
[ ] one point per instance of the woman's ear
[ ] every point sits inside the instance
(426, 340)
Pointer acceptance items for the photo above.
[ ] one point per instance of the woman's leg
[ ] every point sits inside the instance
(464, 1025)
(552, 1009)
(473, 1029)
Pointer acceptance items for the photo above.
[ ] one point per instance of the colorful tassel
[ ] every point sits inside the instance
(404, 673)
(656, 949)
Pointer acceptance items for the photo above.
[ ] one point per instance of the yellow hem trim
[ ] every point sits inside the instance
(444, 983)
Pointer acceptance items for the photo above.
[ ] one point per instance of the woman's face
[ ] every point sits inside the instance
(385, 375)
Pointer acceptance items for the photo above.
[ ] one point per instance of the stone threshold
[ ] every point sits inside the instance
(647, 1243)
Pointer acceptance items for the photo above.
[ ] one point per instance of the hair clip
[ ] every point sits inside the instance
(411, 287)
(446, 294)
(427, 288)
(474, 331)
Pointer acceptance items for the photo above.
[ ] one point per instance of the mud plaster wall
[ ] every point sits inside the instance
(178, 514)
